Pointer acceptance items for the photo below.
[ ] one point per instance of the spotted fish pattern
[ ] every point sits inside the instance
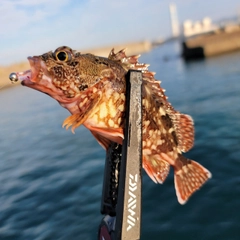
(93, 89)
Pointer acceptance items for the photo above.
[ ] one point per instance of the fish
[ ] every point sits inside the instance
(93, 90)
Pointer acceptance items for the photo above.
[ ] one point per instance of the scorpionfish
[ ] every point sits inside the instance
(93, 89)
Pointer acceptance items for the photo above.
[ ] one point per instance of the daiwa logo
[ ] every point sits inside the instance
(132, 187)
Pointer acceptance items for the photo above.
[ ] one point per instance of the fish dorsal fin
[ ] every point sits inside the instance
(127, 62)
(183, 124)
(184, 127)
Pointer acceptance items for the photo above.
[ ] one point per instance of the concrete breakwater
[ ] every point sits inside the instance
(131, 49)
(211, 44)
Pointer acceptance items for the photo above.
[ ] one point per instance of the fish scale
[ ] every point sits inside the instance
(93, 90)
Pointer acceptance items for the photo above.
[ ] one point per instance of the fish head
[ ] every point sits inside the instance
(62, 74)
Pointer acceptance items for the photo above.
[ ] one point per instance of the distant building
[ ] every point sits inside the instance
(195, 28)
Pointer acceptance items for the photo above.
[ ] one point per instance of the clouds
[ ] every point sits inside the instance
(10, 18)
(23, 23)
(104, 22)
(30, 27)
(17, 14)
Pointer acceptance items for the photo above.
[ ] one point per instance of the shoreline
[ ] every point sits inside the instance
(132, 48)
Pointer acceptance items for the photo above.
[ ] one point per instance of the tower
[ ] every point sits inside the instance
(174, 20)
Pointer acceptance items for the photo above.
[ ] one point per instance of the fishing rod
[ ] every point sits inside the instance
(122, 183)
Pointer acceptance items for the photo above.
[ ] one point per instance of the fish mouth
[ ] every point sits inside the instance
(38, 78)
(24, 76)
(30, 76)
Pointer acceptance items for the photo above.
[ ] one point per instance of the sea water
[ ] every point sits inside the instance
(51, 179)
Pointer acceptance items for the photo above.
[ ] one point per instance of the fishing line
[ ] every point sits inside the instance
(13, 78)
(4, 85)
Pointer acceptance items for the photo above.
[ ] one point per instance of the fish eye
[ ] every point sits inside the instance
(62, 56)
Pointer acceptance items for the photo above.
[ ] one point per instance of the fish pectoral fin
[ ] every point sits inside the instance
(185, 132)
(85, 109)
(106, 135)
(156, 168)
(189, 178)
(74, 120)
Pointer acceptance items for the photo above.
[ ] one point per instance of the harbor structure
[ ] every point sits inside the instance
(206, 39)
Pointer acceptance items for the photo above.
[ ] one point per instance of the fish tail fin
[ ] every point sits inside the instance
(189, 176)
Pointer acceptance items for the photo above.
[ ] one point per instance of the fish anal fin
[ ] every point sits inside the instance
(189, 178)
(156, 168)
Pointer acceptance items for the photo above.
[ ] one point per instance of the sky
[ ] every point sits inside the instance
(33, 27)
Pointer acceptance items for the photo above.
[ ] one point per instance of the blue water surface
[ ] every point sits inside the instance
(51, 179)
